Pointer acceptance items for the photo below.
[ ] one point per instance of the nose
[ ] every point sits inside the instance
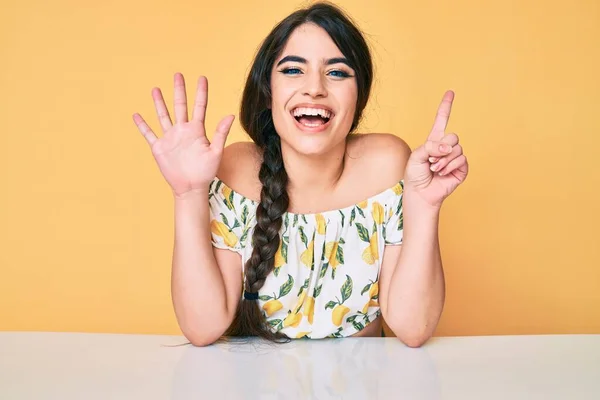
(315, 86)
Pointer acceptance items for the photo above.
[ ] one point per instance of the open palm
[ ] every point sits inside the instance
(185, 156)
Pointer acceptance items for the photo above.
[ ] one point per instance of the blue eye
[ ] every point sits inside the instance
(339, 74)
(291, 71)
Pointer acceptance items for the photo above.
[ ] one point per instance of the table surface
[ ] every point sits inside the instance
(45, 365)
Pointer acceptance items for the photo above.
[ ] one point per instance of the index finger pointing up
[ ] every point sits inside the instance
(442, 117)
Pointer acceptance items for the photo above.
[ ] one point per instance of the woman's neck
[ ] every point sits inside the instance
(312, 177)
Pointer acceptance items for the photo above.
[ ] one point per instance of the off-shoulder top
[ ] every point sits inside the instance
(325, 282)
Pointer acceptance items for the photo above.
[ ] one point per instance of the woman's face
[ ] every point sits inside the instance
(313, 91)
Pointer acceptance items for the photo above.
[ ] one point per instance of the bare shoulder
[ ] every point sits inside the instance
(239, 168)
(381, 157)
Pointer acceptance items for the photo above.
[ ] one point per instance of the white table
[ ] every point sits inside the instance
(107, 366)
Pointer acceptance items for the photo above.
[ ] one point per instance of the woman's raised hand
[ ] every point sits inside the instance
(187, 160)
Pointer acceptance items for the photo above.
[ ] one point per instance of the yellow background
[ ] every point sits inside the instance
(86, 219)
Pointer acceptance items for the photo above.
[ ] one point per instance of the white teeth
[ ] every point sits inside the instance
(300, 111)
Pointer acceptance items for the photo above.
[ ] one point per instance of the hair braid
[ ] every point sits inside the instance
(273, 204)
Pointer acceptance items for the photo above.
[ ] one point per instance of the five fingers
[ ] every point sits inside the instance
(181, 114)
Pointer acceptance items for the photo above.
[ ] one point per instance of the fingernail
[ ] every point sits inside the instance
(433, 159)
(434, 167)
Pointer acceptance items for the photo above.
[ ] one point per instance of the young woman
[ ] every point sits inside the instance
(310, 230)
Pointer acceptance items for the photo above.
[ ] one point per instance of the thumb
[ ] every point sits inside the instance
(221, 133)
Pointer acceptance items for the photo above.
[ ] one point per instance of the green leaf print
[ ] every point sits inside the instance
(295, 221)
(317, 291)
(358, 326)
(304, 219)
(401, 222)
(363, 233)
(231, 198)
(352, 216)
(323, 270)
(331, 304)
(219, 183)
(236, 224)
(224, 219)
(274, 322)
(339, 254)
(333, 273)
(245, 215)
(284, 249)
(360, 211)
(265, 297)
(346, 289)
(303, 236)
(351, 318)
(342, 241)
(286, 287)
(304, 286)
(244, 235)
(366, 288)
(343, 216)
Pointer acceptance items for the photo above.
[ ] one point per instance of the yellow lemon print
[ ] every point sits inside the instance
(300, 335)
(366, 307)
(320, 224)
(309, 309)
(338, 314)
(370, 303)
(374, 291)
(307, 255)
(397, 188)
(300, 301)
(227, 200)
(371, 253)
(378, 213)
(292, 320)
(279, 260)
(220, 229)
(331, 249)
(363, 204)
(272, 306)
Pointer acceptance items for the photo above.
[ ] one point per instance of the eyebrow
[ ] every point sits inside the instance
(302, 60)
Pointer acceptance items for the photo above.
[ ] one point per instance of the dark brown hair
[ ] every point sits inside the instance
(257, 121)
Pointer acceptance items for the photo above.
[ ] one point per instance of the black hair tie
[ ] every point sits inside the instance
(250, 296)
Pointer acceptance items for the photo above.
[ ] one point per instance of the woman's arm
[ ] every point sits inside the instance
(412, 277)
(205, 296)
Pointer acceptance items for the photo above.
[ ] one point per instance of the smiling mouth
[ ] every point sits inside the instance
(312, 118)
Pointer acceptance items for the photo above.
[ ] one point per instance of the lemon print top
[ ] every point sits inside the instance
(326, 277)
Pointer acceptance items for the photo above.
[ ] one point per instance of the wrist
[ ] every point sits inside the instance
(191, 195)
(414, 205)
